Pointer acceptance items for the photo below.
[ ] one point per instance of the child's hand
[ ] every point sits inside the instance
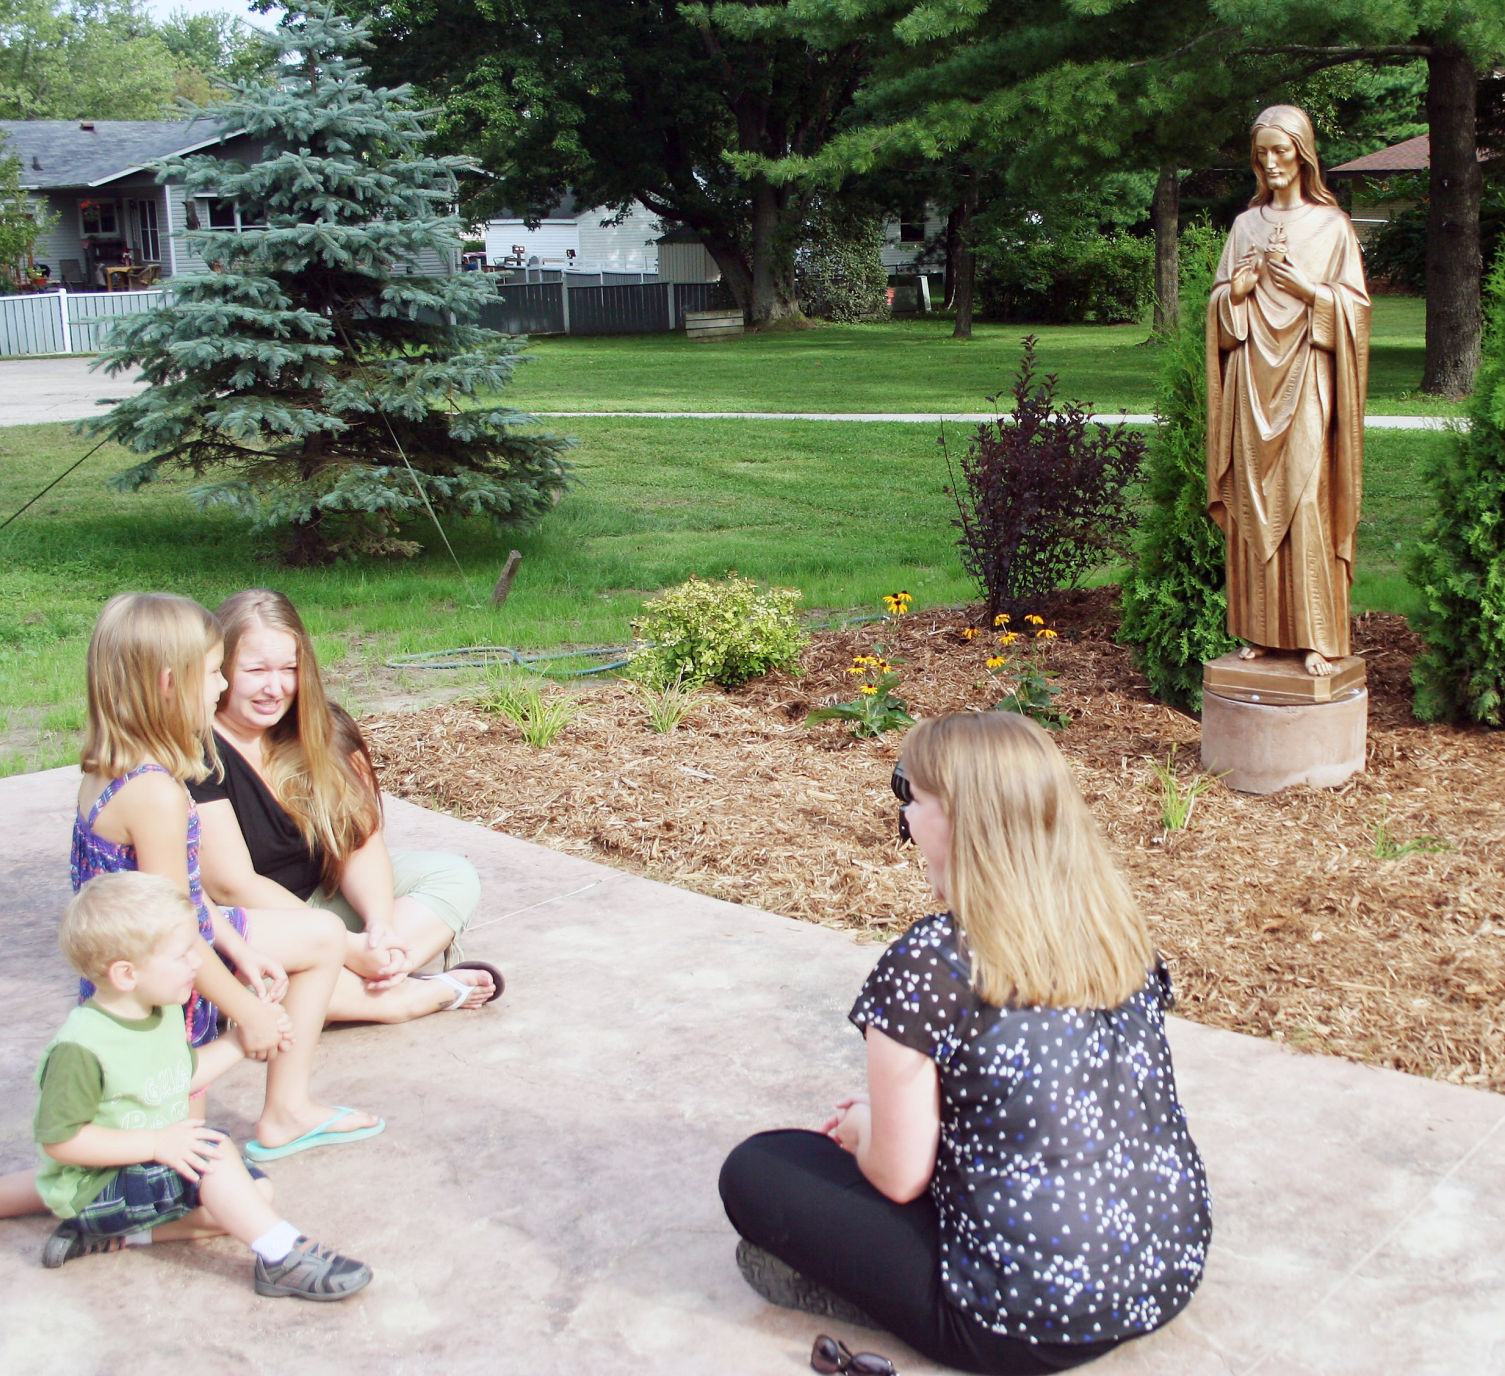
(268, 980)
(265, 1030)
(188, 1147)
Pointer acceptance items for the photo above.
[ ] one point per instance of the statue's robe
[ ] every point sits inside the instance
(1285, 430)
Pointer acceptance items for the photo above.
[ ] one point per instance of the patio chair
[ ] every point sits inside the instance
(71, 271)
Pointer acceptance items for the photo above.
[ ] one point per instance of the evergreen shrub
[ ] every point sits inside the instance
(710, 632)
(1459, 563)
(1175, 606)
(1042, 496)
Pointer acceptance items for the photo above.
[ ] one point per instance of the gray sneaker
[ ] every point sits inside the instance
(311, 1272)
(68, 1241)
(780, 1284)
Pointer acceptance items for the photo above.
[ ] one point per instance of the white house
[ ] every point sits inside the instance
(572, 235)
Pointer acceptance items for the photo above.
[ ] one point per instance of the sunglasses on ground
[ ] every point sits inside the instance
(831, 1355)
(899, 782)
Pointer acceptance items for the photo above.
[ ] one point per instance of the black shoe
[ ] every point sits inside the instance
(782, 1285)
(68, 1241)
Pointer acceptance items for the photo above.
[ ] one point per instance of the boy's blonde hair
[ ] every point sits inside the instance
(121, 916)
(308, 767)
(131, 719)
(1045, 916)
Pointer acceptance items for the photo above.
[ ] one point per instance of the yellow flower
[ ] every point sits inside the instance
(868, 691)
(970, 633)
(1035, 620)
(1045, 633)
(997, 661)
(1009, 637)
(1002, 619)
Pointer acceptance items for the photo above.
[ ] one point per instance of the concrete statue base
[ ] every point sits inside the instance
(1267, 724)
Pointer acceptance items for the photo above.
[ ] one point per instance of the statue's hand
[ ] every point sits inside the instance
(1288, 277)
(1245, 275)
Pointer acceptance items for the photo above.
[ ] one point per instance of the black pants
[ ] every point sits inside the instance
(801, 1197)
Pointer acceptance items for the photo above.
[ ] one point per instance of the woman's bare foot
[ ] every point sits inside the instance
(1318, 665)
(481, 988)
(276, 1128)
(1252, 652)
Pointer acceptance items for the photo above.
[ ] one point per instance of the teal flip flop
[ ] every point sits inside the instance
(320, 1136)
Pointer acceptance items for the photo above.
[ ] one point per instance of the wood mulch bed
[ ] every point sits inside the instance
(1276, 913)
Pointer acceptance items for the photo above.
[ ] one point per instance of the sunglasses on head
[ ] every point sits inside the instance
(831, 1355)
(899, 782)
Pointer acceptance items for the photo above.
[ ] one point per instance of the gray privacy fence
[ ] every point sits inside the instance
(65, 322)
(62, 322)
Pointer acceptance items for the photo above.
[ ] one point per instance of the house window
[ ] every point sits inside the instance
(99, 219)
(912, 226)
(219, 212)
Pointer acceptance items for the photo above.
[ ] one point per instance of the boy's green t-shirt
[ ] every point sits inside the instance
(114, 1072)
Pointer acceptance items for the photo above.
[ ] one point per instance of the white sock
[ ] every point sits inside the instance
(274, 1244)
(141, 1239)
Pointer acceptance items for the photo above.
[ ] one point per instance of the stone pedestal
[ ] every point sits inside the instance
(1267, 724)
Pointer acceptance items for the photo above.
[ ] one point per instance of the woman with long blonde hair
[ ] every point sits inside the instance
(1017, 1190)
(295, 819)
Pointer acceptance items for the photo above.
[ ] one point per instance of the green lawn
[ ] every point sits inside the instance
(908, 365)
(845, 512)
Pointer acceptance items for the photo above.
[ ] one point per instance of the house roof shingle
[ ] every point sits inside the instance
(72, 153)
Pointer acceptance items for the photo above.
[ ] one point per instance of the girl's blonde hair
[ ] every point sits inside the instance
(1044, 914)
(308, 770)
(134, 716)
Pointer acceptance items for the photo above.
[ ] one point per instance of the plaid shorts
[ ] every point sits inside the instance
(142, 1196)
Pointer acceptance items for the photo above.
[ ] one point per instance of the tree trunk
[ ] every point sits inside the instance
(953, 254)
(734, 271)
(773, 296)
(1453, 266)
(1165, 212)
(966, 266)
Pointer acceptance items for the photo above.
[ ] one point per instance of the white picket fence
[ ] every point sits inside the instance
(65, 322)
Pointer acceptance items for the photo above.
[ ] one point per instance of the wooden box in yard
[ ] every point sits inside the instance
(712, 324)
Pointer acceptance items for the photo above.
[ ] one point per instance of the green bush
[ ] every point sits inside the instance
(1397, 251)
(839, 271)
(1081, 275)
(1175, 609)
(726, 633)
(1459, 564)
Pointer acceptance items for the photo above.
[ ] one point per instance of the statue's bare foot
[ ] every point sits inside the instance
(1252, 652)
(1318, 665)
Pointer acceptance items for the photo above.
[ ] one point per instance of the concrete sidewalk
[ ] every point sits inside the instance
(33, 390)
(544, 1197)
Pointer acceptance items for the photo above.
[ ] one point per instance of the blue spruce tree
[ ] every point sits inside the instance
(316, 378)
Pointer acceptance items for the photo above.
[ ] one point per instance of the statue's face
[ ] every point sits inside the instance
(1276, 156)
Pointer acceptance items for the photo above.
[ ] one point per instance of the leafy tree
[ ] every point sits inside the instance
(20, 226)
(1175, 607)
(314, 375)
(212, 50)
(616, 100)
(83, 59)
(1459, 565)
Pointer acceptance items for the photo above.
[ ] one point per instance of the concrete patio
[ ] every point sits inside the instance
(544, 1197)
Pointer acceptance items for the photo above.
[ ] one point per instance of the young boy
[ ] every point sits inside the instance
(122, 1162)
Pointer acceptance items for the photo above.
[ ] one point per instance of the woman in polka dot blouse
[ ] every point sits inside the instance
(1017, 1190)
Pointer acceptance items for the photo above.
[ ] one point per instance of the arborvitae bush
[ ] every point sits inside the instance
(1043, 495)
(1459, 564)
(839, 270)
(1175, 607)
(325, 385)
